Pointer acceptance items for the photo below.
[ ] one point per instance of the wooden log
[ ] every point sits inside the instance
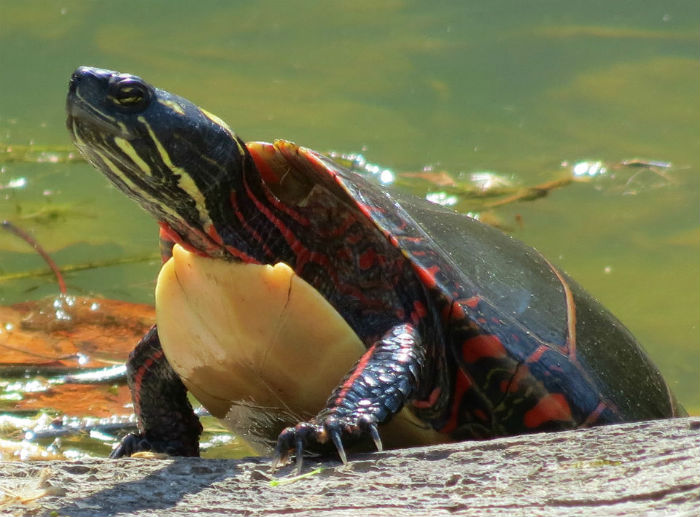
(648, 468)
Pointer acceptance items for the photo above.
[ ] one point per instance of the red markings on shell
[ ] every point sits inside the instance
(462, 385)
(482, 346)
(419, 311)
(550, 408)
(427, 275)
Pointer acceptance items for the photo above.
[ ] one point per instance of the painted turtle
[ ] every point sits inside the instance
(473, 333)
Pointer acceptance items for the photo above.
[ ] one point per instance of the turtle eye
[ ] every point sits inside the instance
(130, 94)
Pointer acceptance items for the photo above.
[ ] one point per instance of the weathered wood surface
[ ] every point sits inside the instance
(650, 468)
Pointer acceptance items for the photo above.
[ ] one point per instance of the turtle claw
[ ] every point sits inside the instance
(135, 443)
(374, 433)
(338, 442)
(292, 438)
(299, 454)
(333, 430)
(130, 444)
(278, 459)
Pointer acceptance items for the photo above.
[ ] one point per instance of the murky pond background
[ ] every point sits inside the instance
(524, 90)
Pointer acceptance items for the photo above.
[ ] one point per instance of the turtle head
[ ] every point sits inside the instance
(178, 161)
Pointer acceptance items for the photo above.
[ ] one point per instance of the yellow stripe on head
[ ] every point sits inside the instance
(129, 150)
(79, 142)
(141, 193)
(172, 105)
(185, 181)
(216, 120)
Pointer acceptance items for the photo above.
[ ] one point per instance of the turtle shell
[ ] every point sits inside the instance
(540, 316)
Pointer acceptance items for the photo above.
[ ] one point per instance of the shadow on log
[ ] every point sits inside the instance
(649, 468)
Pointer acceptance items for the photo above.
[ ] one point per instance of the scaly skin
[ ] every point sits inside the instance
(167, 423)
(377, 387)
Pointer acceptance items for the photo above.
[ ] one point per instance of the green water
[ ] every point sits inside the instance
(505, 86)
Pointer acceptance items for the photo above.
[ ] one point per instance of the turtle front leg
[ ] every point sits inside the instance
(377, 387)
(166, 420)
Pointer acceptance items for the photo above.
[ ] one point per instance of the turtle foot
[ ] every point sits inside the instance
(332, 429)
(134, 443)
(130, 444)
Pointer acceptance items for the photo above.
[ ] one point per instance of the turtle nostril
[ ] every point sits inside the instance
(78, 76)
(87, 73)
(73, 83)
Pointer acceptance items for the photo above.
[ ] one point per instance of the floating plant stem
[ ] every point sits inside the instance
(71, 268)
(19, 232)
